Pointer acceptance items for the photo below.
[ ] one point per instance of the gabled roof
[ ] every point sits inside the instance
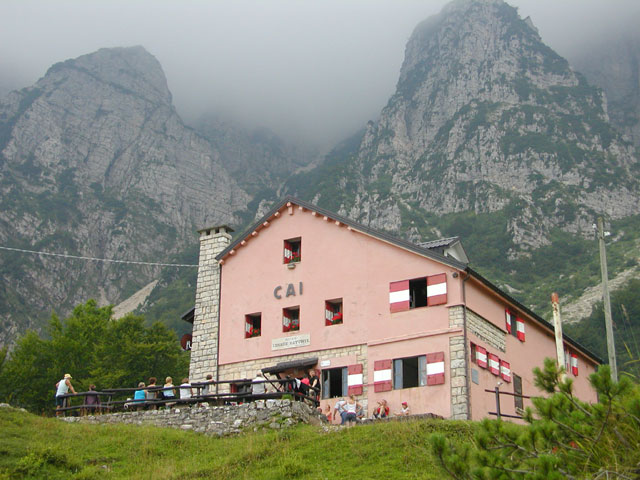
(385, 237)
(449, 247)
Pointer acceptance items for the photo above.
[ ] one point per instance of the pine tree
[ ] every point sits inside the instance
(564, 437)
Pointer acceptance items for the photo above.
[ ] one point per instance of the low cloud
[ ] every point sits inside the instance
(312, 71)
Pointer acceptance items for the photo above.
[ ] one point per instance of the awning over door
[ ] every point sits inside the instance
(282, 366)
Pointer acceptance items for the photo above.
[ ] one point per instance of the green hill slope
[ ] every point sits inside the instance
(36, 447)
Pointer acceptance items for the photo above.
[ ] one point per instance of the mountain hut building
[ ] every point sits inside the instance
(380, 317)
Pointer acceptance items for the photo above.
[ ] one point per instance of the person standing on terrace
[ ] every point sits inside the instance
(258, 386)
(62, 388)
(314, 384)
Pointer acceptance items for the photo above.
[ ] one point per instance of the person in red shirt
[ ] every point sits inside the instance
(382, 411)
(305, 381)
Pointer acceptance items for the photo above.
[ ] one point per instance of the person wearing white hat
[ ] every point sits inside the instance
(62, 388)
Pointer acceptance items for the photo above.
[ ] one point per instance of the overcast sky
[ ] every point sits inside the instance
(311, 70)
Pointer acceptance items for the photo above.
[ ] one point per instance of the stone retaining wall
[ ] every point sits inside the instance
(224, 420)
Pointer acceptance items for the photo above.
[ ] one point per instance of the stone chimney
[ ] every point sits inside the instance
(204, 344)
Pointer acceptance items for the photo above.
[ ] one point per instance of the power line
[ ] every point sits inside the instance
(94, 259)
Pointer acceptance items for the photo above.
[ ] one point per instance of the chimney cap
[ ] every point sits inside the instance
(217, 229)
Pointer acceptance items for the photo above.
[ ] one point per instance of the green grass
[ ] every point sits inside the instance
(36, 447)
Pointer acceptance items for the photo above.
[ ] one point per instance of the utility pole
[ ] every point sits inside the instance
(557, 324)
(611, 346)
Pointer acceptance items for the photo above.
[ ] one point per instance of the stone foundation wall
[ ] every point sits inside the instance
(224, 420)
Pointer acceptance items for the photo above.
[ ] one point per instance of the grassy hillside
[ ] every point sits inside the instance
(35, 447)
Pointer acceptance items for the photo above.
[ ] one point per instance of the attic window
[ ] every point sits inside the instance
(252, 325)
(291, 319)
(333, 312)
(292, 250)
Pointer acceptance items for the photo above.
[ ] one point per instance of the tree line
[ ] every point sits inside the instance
(95, 349)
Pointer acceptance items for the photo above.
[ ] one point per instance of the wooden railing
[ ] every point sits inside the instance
(497, 392)
(122, 399)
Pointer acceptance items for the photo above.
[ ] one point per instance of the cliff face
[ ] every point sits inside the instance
(96, 162)
(485, 118)
(257, 159)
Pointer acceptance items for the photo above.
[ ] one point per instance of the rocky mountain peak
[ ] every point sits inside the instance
(486, 118)
(469, 27)
(131, 69)
(95, 161)
(479, 50)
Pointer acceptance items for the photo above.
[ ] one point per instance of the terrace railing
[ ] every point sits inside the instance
(122, 399)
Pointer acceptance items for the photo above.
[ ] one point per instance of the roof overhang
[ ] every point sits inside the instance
(189, 315)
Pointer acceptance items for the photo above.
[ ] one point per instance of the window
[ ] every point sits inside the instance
(252, 325)
(334, 382)
(514, 330)
(517, 389)
(410, 372)
(333, 312)
(511, 323)
(473, 353)
(419, 292)
(291, 319)
(292, 250)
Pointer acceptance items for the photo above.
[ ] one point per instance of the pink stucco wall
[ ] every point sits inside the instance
(523, 356)
(336, 263)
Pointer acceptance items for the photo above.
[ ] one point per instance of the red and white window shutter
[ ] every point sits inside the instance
(328, 313)
(505, 371)
(520, 326)
(435, 368)
(286, 321)
(437, 289)
(399, 296)
(494, 364)
(481, 356)
(248, 327)
(288, 252)
(382, 376)
(510, 320)
(574, 364)
(354, 379)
